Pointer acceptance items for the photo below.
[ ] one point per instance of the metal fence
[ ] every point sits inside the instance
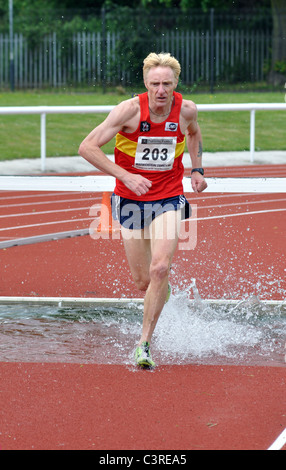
(91, 58)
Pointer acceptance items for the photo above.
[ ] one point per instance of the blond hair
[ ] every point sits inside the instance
(164, 59)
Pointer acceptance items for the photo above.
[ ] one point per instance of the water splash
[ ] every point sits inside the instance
(197, 331)
(188, 331)
(197, 297)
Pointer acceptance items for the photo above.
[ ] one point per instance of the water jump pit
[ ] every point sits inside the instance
(106, 331)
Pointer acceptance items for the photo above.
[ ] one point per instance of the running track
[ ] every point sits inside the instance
(240, 251)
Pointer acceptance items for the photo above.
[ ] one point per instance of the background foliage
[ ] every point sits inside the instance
(142, 21)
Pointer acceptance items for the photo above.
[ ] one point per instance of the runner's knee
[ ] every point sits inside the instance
(141, 283)
(159, 269)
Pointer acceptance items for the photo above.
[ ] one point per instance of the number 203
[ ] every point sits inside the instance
(155, 154)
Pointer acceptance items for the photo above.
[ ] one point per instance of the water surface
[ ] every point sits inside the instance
(188, 332)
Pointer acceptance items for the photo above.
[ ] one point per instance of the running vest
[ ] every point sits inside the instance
(154, 151)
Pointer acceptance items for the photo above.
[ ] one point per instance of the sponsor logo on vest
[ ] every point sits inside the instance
(145, 126)
(171, 126)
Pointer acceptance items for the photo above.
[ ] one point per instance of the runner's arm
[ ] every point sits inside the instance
(195, 149)
(90, 148)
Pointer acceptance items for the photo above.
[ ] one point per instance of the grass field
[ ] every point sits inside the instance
(222, 131)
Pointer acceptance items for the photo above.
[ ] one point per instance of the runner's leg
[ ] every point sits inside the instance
(164, 232)
(138, 252)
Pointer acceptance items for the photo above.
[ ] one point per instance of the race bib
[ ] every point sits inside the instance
(155, 153)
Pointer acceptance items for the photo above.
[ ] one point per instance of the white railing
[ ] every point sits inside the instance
(44, 110)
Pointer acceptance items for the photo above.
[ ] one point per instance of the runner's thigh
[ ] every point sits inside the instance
(164, 232)
(138, 252)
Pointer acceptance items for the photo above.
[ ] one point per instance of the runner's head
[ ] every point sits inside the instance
(163, 60)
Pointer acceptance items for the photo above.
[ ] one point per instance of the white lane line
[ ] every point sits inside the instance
(240, 214)
(43, 194)
(56, 211)
(192, 197)
(243, 203)
(279, 442)
(58, 201)
(23, 214)
(58, 222)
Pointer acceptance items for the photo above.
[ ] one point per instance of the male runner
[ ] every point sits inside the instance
(150, 131)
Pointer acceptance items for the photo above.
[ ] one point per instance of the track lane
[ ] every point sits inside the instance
(209, 407)
(34, 219)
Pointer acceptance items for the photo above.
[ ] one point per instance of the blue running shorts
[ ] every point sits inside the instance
(135, 215)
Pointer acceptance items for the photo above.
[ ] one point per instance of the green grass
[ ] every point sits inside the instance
(222, 131)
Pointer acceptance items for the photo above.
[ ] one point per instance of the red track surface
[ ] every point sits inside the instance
(52, 406)
(240, 251)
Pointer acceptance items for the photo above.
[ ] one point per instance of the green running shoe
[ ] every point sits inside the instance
(143, 356)
(168, 293)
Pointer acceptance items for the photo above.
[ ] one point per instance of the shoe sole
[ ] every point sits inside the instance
(146, 366)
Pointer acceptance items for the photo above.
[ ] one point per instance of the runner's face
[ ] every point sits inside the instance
(160, 83)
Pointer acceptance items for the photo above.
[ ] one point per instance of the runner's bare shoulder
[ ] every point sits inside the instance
(128, 113)
(189, 114)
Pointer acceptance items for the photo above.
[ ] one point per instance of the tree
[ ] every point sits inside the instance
(278, 67)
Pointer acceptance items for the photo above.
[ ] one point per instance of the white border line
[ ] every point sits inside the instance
(238, 214)
(65, 301)
(279, 442)
(107, 183)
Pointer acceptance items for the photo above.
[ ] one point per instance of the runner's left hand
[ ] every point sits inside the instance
(198, 182)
